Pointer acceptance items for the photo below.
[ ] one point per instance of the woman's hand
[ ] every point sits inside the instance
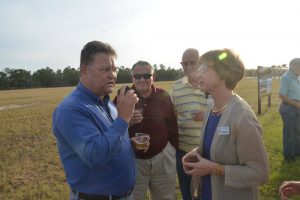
(190, 157)
(195, 165)
(289, 188)
(201, 168)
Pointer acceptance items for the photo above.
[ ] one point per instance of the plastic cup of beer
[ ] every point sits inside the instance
(142, 140)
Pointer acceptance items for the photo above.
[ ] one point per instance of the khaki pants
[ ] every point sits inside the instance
(158, 174)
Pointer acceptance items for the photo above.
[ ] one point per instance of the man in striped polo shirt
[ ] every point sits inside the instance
(190, 105)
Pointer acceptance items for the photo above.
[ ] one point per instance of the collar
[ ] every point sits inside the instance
(92, 95)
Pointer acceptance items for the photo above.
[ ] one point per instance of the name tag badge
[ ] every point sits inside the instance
(223, 130)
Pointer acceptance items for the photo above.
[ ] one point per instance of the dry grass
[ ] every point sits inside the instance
(29, 163)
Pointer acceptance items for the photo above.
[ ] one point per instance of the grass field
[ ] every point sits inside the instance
(29, 163)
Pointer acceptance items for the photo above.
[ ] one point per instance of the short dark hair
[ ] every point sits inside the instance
(143, 64)
(92, 48)
(226, 64)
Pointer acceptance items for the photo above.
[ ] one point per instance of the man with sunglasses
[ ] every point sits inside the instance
(156, 167)
(190, 105)
(91, 133)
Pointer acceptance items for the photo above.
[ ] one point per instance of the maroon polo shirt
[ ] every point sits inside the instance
(159, 121)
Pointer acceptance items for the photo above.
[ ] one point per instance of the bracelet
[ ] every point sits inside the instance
(218, 170)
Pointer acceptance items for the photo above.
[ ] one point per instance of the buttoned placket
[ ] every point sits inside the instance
(105, 110)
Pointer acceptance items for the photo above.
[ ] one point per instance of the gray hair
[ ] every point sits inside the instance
(294, 63)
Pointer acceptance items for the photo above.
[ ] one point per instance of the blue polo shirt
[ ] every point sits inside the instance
(93, 144)
(290, 85)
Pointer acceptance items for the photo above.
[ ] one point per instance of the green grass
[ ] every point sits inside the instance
(29, 163)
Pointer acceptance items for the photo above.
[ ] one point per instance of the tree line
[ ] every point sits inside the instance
(277, 71)
(47, 77)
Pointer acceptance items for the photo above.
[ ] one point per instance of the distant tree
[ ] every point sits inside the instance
(174, 74)
(169, 74)
(251, 73)
(44, 77)
(70, 76)
(162, 67)
(4, 84)
(15, 78)
(278, 70)
(161, 73)
(59, 78)
(124, 75)
(19, 78)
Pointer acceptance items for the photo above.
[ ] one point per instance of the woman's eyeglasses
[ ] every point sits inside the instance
(139, 76)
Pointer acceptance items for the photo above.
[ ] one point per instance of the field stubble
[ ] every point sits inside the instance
(29, 163)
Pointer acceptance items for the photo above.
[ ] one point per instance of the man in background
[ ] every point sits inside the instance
(289, 110)
(91, 133)
(156, 166)
(190, 105)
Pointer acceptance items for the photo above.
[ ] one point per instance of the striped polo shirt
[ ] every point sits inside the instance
(187, 100)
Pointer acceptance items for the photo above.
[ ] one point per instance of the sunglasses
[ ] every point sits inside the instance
(139, 76)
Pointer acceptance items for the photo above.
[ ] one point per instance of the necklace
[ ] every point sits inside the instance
(215, 112)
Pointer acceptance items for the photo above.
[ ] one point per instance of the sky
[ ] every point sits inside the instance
(35, 34)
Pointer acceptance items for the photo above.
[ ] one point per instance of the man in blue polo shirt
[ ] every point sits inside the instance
(91, 132)
(289, 109)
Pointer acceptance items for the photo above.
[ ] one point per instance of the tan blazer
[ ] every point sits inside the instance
(241, 150)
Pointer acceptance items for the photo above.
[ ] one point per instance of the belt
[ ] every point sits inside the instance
(84, 196)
